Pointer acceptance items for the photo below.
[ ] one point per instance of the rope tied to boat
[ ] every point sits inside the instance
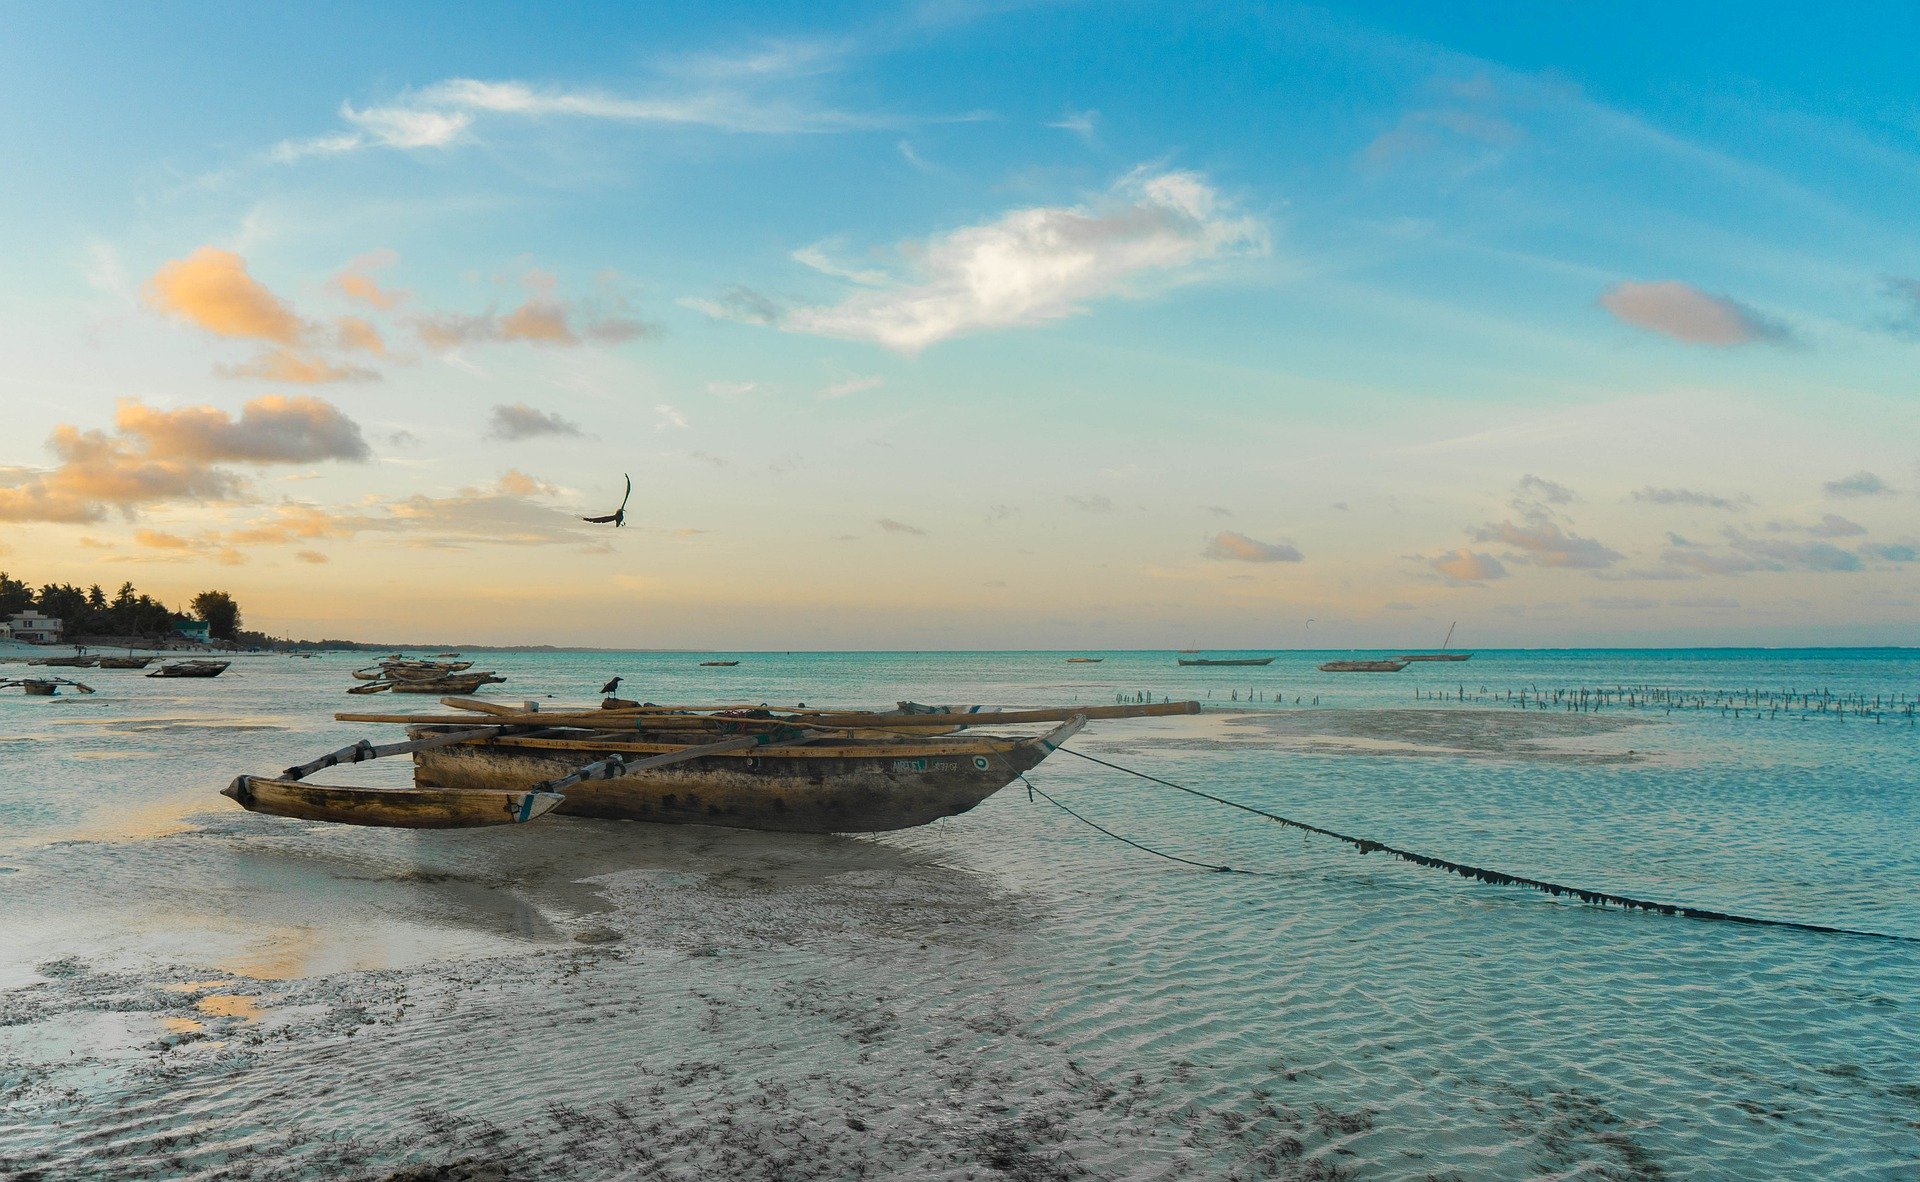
(1464, 870)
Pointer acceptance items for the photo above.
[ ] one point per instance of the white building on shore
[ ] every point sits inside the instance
(32, 627)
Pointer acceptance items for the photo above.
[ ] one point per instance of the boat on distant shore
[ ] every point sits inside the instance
(128, 662)
(718, 664)
(1443, 654)
(1085, 660)
(74, 662)
(1225, 660)
(1388, 666)
(195, 668)
(794, 771)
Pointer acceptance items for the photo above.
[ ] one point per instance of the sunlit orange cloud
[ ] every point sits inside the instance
(538, 320)
(1468, 566)
(154, 539)
(356, 333)
(160, 456)
(300, 523)
(271, 429)
(356, 284)
(211, 288)
(292, 365)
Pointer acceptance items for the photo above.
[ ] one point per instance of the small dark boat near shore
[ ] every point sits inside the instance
(1225, 660)
(74, 662)
(718, 664)
(191, 669)
(125, 662)
(795, 771)
(1085, 660)
(1363, 666)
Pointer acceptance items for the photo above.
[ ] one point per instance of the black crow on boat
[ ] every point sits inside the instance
(619, 516)
(611, 687)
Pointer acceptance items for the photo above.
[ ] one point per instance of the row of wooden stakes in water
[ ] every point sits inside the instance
(1253, 695)
(1747, 703)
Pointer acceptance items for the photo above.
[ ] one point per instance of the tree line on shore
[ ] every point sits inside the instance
(129, 612)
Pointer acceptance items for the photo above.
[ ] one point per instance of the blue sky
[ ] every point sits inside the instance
(975, 325)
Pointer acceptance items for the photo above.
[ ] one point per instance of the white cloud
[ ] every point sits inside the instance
(408, 127)
(852, 386)
(669, 417)
(443, 114)
(1080, 123)
(816, 256)
(1030, 266)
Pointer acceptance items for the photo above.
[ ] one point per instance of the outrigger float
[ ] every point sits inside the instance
(794, 771)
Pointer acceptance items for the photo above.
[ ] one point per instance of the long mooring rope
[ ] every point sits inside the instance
(1478, 873)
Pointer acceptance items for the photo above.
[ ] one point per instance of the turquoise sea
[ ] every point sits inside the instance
(191, 991)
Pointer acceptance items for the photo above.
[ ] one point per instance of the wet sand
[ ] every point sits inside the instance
(218, 995)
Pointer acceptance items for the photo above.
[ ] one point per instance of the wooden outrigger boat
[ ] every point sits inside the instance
(128, 662)
(1443, 654)
(191, 669)
(798, 771)
(74, 662)
(1085, 660)
(1363, 666)
(718, 664)
(43, 687)
(1225, 660)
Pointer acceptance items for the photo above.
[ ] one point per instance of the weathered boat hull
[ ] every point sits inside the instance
(1363, 666)
(1436, 656)
(125, 662)
(796, 789)
(39, 689)
(191, 669)
(396, 808)
(67, 662)
(1234, 661)
(445, 685)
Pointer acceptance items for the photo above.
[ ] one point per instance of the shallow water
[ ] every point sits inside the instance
(188, 990)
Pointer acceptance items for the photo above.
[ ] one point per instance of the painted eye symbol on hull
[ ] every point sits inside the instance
(980, 762)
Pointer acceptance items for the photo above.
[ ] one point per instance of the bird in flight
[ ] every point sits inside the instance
(619, 516)
(611, 687)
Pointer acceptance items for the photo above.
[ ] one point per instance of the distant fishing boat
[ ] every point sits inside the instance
(191, 669)
(719, 664)
(1085, 660)
(793, 771)
(74, 662)
(1443, 654)
(1226, 661)
(1363, 666)
(128, 662)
